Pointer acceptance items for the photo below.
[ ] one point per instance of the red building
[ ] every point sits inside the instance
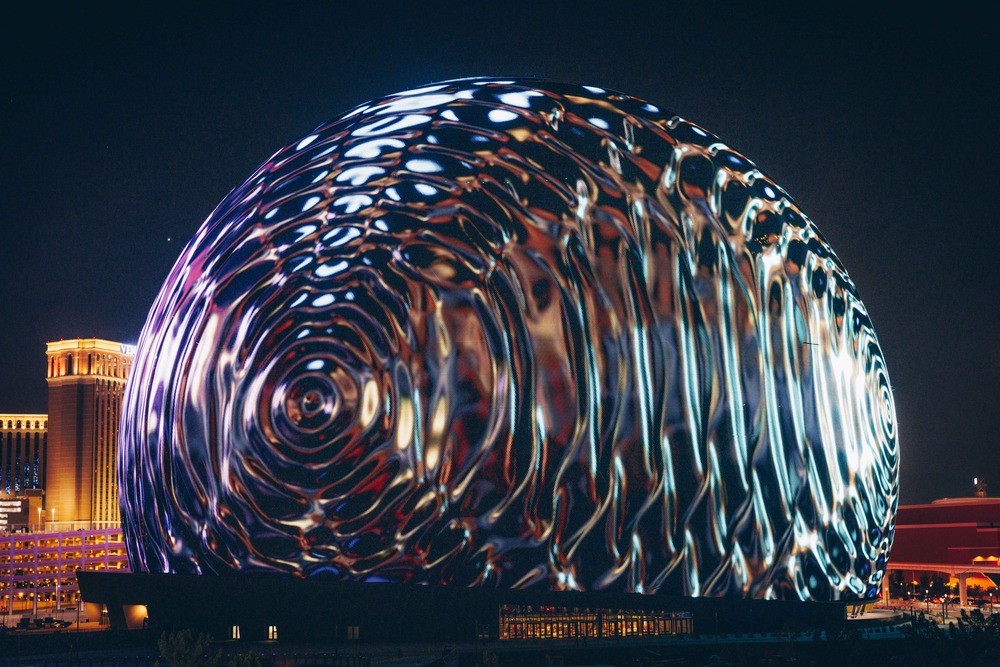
(959, 537)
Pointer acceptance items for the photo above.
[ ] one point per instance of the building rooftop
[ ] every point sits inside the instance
(98, 344)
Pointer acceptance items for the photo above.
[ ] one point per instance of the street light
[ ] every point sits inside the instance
(927, 599)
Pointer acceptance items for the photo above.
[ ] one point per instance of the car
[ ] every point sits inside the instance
(62, 624)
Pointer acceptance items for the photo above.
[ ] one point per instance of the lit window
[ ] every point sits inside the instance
(353, 631)
(236, 632)
(272, 632)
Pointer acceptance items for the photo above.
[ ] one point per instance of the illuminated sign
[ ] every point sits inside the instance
(128, 349)
(13, 513)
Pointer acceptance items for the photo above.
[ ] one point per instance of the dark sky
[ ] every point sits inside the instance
(122, 130)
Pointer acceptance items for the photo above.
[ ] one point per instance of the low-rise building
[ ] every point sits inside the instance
(38, 570)
(958, 538)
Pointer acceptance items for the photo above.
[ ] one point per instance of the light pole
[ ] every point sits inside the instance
(927, 599)
(79, 603)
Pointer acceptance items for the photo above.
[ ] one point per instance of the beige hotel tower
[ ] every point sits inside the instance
(86, 378)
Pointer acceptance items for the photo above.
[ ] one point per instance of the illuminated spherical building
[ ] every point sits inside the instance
(513, 334)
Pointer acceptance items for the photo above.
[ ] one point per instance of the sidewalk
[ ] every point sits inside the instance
(942, 617)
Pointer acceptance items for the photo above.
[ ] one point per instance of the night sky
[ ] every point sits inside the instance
(121, 131)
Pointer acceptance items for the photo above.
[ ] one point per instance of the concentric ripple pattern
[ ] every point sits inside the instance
(513, 334)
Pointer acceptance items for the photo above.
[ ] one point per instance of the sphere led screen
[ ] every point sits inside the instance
(513, 334)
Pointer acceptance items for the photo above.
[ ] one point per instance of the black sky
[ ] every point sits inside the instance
(122, 128)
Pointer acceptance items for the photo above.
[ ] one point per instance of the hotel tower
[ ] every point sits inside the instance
(86, 379)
